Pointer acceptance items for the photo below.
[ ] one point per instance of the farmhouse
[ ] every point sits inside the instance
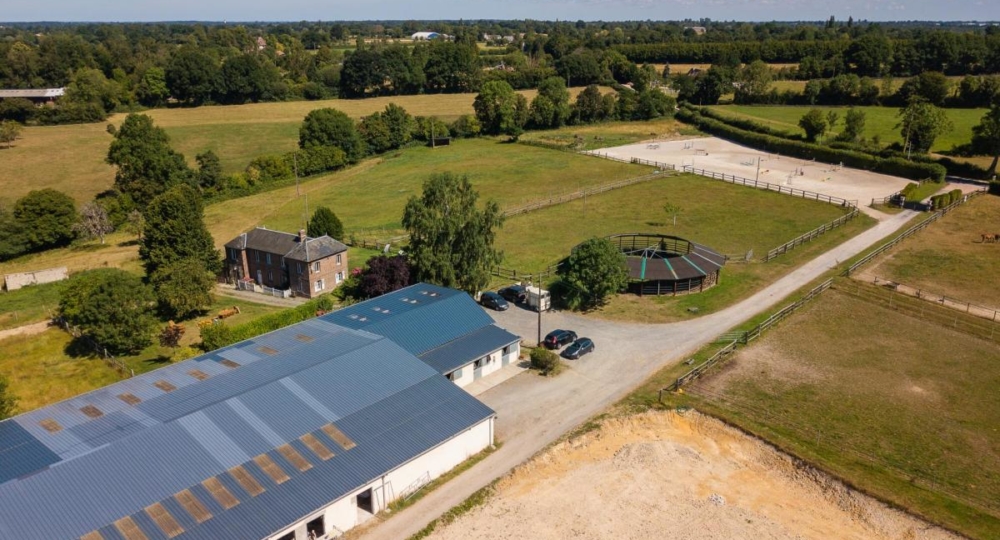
(443, 327)
(38, 96)
(301, 433)
(286, 262)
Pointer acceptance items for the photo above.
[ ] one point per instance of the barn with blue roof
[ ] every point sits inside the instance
(300, 433)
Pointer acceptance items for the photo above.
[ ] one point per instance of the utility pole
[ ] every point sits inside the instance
(757, 178)
(539, 307)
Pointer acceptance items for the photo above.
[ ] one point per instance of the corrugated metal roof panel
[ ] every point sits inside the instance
(461, 351)
(389, 403)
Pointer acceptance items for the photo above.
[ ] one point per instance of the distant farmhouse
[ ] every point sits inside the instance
(298, 434)
(293, 264)
(697, 30)
(40, 96)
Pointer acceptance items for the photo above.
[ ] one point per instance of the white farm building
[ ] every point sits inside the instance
(301, 433)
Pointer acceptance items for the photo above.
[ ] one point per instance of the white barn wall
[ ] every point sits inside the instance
(492, 363)
(343, 513)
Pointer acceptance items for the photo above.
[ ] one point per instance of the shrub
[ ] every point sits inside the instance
(218, 335)
(545, 361)
(271, 167)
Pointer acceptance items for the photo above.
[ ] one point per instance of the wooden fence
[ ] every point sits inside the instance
(984, 312)
(911, 231)
(810, 236)
(514, 275)
(116, 363)
(743, 338)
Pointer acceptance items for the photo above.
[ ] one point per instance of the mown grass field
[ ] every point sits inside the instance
(731, 219)
(880, 121)
(949, 257)
(901, 408)
(43, 369)
(612, 133)
(369, 198)
(71, 158)
(27, 305)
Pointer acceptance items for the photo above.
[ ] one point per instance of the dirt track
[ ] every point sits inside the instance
(662, 475)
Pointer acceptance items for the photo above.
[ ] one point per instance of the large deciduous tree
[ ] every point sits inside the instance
(451, 240)
(754, 82)
(921, 123)
(46, 218)
(986, 136)
(330, 127)
(175, 230)
(147, 166)
(550, 108)
(501, 110)
(111, 307)
(183, 288)
(814, 124)
(384, 274)
(192, 75)
(325, 222)
(594, 270)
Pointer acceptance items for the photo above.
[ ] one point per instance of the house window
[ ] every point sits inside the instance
(282, 262)
(319, 285)
(232, 254)
(298, 267)
(340, 277)
(268, 258)
(270, 278)
(256, 256)
(338, 259)
(316, 266)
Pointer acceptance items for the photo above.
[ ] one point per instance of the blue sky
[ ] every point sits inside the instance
(293, 10)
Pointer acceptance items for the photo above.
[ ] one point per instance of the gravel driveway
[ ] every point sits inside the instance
(534, 411)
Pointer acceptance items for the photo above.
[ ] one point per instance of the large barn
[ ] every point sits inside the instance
(301, 433)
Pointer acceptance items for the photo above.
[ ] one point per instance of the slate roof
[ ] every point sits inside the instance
(171, 435)
(287, 245)
(461, 351)
(418, 318)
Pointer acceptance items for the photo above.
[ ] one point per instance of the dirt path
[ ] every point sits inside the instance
(642, 475)
(26, 330)
(257, 298)
(535, 411)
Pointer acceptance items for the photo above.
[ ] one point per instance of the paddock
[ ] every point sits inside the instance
(721, 156)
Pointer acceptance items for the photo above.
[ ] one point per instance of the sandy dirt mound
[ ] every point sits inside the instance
(662, 475)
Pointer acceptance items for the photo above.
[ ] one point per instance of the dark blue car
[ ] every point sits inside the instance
(493, 300)
(579, 348)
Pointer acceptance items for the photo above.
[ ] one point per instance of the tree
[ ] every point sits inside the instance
(986, 136)
(854, 125)
(175, 230)
(110, 306)
(832, 117)
(94, 222)
(654, 104)
(384, 274)
(325, 222)
(9, 132)
(921, 123)
(550, 108)
(754, 82)
(8, 401)
(209, 170)
(192, 75)
(183, 288)
(930, 86)
(672, 210)
(147, 166)
(814, 124)
(594, 270)
(46, 218)
(246, 78)
(710, 86)
(589, 107)
(135, 222)
(152, 90)
(544, 360)
(451, 241)
(330, 127)
(171, 335)
(871, 54)
(500, 110)
(389, 130)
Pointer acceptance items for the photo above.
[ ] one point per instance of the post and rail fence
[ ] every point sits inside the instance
(811, 235)
(116, 363)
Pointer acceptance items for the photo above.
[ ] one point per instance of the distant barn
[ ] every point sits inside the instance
(37, 95)
(426, 36)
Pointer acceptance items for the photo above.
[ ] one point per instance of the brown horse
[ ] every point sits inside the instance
(989, 238)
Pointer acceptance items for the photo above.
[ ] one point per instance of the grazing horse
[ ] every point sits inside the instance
(990, 238)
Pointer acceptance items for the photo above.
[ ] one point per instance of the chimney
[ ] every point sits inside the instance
(302, 235)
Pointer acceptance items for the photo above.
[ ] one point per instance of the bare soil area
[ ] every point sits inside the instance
(665, 475)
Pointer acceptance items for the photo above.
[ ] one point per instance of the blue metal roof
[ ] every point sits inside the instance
(461, 351)
(84, 473)
(418, 318)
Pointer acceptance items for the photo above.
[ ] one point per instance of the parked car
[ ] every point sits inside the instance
(579, 348)
(514, 293)
(493, 300)
(558, 338)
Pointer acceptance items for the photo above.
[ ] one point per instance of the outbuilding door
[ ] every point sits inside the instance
(477, 371)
